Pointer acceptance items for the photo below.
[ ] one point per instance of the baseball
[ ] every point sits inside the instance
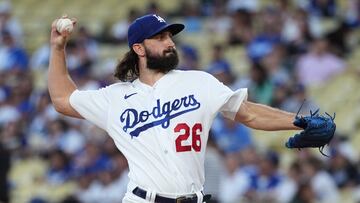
(64, 24)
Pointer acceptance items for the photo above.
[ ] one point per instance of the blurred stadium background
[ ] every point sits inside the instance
(282, 50)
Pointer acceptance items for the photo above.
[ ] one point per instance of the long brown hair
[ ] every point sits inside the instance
(128, 68)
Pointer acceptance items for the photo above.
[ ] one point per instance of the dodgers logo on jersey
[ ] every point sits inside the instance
(161, 114)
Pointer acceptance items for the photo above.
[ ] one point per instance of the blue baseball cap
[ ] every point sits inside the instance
(149, 25)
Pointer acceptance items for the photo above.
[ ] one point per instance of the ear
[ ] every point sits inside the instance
(139, 49)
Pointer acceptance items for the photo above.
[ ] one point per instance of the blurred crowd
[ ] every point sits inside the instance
(290, 46)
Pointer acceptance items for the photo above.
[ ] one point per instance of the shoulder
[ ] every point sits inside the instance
(192, 74)
(118, 86)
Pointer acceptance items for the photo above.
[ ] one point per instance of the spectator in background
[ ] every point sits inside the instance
(12, 56)
(356, 195)
(103, 188)
(285, 8)
(109, 147)
(218, 23)
(342, 165)
(12, 138)
(322, 8)
(338, 39)
(120, 174)
(235, 181)
(274, 63)
(82, 52)
(154, 7)
(318, 65)
(268, 184)
(83, 76)
(352, 13)
(260, 86)
(40, 58)
(249, 5)
(8, 113)
(189, 58)
(38, 132)
(92, 159)
(280, 95)
(305, 194)
(297, 97)
(110, 183)
(321, 183)
(192, 17)
(296, 32)
(4, 88)
(214, 169)
(294, 173)
(220, 67)
(59, 170)
(343, 172)
(9, 23)
(4, 170)
(231, 137)
(269, 35)
(241, 29)
(120, 28)
(63, 137)
(250, 158)
(22, 86)
(83, 191)
(85, 40)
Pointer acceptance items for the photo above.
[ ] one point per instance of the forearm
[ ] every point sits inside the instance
(60, 84)
(263, 117)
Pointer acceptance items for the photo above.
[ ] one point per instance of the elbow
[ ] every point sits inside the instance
(63, 107)
(251, 124)
(60, 108)
(60, 105)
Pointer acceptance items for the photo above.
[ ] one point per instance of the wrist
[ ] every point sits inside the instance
(56, 47)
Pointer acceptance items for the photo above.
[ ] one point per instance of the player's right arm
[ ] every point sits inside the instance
(60, 84)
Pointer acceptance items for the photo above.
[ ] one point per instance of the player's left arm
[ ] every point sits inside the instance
(262, 117)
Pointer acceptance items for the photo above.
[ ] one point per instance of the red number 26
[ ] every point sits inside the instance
(195, 137)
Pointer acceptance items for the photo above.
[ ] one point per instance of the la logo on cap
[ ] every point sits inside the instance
(160, 19)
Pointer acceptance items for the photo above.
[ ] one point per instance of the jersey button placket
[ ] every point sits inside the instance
(154, 97)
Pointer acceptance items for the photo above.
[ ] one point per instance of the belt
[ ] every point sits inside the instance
(160, 199)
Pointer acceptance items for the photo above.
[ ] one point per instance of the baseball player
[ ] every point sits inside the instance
(158, 117)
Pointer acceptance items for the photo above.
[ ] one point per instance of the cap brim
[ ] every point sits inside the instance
(173, 28)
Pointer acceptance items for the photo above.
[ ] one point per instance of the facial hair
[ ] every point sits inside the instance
(164, 63)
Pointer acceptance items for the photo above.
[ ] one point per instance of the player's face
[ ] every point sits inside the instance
(161, 53)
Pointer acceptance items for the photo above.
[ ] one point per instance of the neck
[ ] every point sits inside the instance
(148, 76)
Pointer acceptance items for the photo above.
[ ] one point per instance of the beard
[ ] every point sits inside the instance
(165, 63)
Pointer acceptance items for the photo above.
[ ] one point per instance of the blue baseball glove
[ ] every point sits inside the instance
(318, 131)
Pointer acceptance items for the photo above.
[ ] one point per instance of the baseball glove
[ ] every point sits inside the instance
(318, 131)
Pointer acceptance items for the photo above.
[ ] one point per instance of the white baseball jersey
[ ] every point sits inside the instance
(162, 129)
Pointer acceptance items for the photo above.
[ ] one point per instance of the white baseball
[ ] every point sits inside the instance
(64, 24)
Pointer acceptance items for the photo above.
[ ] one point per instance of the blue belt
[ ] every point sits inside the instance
(160, 199)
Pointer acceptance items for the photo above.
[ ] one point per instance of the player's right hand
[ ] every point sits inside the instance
(58, 40)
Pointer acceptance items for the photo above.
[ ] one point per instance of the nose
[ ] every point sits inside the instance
(170, 42)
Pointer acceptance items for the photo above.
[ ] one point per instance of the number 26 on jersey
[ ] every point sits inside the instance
(186, 132)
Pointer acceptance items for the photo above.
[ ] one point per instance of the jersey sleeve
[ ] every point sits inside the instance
(92, 105)
(223, 99)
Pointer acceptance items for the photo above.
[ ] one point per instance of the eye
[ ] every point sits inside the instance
(158, 36)
(164, 35)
